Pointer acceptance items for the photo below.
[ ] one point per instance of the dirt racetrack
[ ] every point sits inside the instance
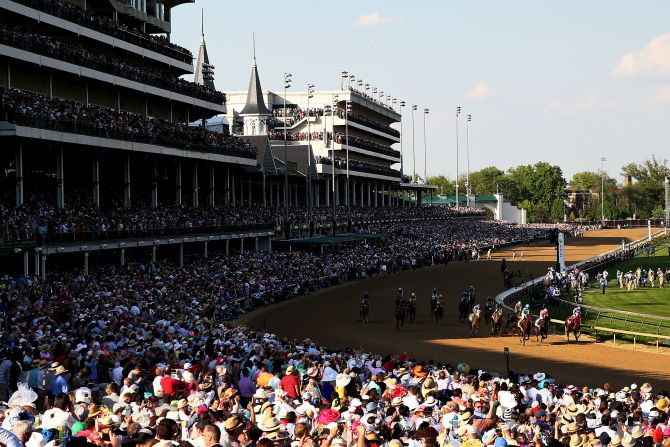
(330, 317)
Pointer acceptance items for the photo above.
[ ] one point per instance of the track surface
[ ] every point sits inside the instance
(330, 317)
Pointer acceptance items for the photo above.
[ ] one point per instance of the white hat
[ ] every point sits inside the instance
(82, 395)
(539, 376)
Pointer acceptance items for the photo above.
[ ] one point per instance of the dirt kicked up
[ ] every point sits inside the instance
(330, 318)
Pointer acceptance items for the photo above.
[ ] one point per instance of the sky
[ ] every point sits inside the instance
(566, 82)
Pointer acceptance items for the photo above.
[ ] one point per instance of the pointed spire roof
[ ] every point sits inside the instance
(204, 72)
(255, 103)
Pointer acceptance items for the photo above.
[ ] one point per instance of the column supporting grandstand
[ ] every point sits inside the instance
(178, 183)
(211, 196)
(195, 203)
(126, 182)
(60, 181)
(18, 164)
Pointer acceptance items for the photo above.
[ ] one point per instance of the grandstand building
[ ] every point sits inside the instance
(346, 125)
(94, 112)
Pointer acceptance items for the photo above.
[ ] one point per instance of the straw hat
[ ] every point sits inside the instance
(627, 441)
(576, 441)
(615, 441)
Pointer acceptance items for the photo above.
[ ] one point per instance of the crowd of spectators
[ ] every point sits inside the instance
(366, 144)
(140, 355)
(90, 19)
(291, 115)
(295, 136)
(37, 110)
(361, 119)
(371, 98)
(73, 52)
(357, 165)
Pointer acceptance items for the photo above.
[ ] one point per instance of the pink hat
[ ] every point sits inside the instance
(666, 431)
(327, 416)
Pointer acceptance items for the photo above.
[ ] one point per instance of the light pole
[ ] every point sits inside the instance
(345, 74)
(467, 149)
(413, 149)
(667, 203)
(310, 94)
(333, 113)
(425, 147)
(602, 188)
(458, 112)
(287, 84)
(402, 172)
(346, 139)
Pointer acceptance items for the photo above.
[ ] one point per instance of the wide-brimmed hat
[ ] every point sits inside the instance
(627, 440)
(342, 380)
(233, 423)
(430, 401)
(391, 383)
(327, 416)
(278, 435)
(60, 369)
(636, 433)
(615, 441)
(539, 376)
(419, 371)
(646, 387)
(269, 424)
(662, 404)
(507, 400)
(428, 385)
(576, 441)
(290, 369)
(465, 418)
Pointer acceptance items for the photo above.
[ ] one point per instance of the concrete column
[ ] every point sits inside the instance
(241, 190)
(86, 263)
(270, 244)
(362, 201)
(369, 196)
(211, 186)
(153, 253)
(327, 192)
(227, 200)
(227, 247)
(18, 164)
(295, 202)
(352, 193)
(123, 257)
(383, 198)
(256, 244)
(195, 202)
(204, 254)
(264, 191)
(181, 254)
(60, 181)
(126, 182)
(337, 192)
(232, 184)
(26, 263)
(317, 195)
(178, 184)
(249, 190)
(270, 190)
(279, 196)
(242, 246)
(37, 262)
(154, 188)
(376, 194)
(96, 183)
(43, 267)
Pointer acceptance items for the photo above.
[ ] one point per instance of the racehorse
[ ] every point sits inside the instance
(496, 321)
(438, 311)
(465, 305)
(411, 310)
(541, 328)
(433, 303)
(574, 325)
(488, 313)
(365, 313)
(400, 314)
(524, 326)
(513, 322)
(474, 321)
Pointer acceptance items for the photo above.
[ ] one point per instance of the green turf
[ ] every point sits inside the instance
(653, 302)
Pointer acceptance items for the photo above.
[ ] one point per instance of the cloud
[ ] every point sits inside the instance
(481, 90)
(589, 102)
(375, 19)
(653, 59)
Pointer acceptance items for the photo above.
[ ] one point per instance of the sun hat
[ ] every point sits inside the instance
(627, 441)
(636, 433)
(327, 416)
(233, 422)
(342, 380)
(576, 441)
(290, 369)
(60, 369)
(269, 424)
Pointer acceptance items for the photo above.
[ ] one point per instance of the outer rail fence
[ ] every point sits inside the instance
(526, 290)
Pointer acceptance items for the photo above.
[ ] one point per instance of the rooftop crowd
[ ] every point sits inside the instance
(139, 355)
(90, 19)
(37, 110)
(366, 144)
(361, 119)
(358, 166)
(73, 52)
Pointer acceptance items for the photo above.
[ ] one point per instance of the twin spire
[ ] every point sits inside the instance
(204, 71)
(255, 103)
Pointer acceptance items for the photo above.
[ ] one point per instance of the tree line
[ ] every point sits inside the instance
(544, 192)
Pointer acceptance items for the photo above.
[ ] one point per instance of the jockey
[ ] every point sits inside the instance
(576, 311)
(518, 307)
(412, 297)
(477, 308)
(366, 298)
(544, 313)
(525, 313)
